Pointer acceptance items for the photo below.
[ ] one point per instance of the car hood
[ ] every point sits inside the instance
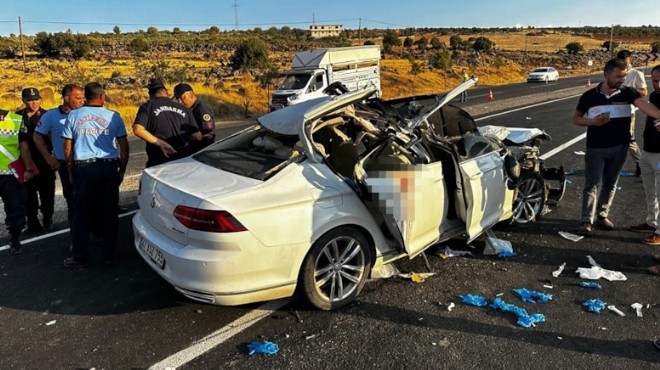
(200, 180)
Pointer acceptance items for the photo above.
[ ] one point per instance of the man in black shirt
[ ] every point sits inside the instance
(165, 125)
(650, 171)
(605, 111)
(42, 188)
(185, 95)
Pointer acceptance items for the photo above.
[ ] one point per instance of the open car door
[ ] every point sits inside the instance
(487, 197)
(408, 198)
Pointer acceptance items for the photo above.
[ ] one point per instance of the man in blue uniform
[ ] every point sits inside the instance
(605, 110)
(185, 95)
(97, 169)
(13, 144)
(50, 128)
(42, 188)
(165, 125)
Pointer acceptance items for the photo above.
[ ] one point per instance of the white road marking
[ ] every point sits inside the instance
(525, 107)
(220, 336)
(562, 146)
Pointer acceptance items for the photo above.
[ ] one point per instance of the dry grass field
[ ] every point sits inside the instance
(234, 95)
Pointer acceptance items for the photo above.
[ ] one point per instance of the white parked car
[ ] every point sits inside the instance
(543, 74)
(315, 196)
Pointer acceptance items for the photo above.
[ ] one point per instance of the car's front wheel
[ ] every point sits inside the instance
(335, 269)
(530, 198)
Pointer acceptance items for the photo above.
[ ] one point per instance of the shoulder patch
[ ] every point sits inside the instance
(206, 117)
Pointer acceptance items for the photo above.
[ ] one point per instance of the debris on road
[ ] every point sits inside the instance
(265, 347)
(638, 308)
(559, 270)
(627, 174)
(570, 236)
(52, 322)
(524, 319)
(448, 252)
(533, 296)
(594, 305)
(578, 152)
(497, 246)
(417, 277)
(596, 272)
(507, 254)
(615, 310)
(451, 306)
(474, 300)
(590, 284)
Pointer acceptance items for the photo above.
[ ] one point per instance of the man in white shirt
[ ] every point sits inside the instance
(634, 79)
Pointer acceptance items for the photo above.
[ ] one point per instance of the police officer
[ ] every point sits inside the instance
(97, 169)
(42, 188)
(185, 95)
(167, 126)
(50, 128)
(13, 144)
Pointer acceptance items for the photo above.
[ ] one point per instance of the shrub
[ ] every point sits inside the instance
(574, 47)
(482, 43)
(250, 53)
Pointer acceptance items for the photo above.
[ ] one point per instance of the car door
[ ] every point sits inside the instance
(487, 197)
(408, 198)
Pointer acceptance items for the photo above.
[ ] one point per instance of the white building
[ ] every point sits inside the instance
(325, 30)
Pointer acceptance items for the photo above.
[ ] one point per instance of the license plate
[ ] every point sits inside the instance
(153, 253)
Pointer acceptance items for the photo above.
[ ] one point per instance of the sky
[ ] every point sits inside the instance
(89, 16)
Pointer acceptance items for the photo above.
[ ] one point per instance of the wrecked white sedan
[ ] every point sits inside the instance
(315, 196)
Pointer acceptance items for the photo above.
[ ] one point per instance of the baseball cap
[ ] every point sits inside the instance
(154, 85)
(30, 93)
(180, 89)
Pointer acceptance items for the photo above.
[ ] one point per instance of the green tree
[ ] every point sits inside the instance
(391, 39)
(440, 60)
(250, 53)
(8, 47)
(140, 44)
(81, 46)
(437, 44)
(606, 45)
(416, 67)
(422, 43)
(482, 43)
(152, 30)
(455, 42)
(213, 30)
(408, 42)
(574, 47)
(116, 30)
(655, 47)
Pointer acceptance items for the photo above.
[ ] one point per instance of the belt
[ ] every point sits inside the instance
(92, 160)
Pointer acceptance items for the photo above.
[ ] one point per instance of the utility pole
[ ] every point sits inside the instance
(611, 40)
(360, 31)
(20, 35)
(235, 6)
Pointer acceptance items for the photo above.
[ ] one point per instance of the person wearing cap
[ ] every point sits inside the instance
(165, 125)
(96, 168)
(50, 128)
(41, 190)
(185, 95)
(13, 145)
(634, 79)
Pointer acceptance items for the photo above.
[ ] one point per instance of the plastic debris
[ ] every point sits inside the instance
(638, 308)
(507, 254)
(570, 171)
(615, 310)
(568, 181)
(579, 152)
(524, 319)
(268, 348)
(52, 322)
(618, 188)
(627, 174)
(497, 246)
(570, 236)
(559, 270)
(417, 277)
(595, 273)
(594, 305)
(533, 296)
(592, 261)
(474, 300)
(590, 284)
(448, 252)
(451, 306)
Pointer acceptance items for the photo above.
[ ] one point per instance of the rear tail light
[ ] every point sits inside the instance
(206, 220)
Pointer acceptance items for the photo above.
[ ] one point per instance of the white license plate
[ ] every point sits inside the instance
(153, 252)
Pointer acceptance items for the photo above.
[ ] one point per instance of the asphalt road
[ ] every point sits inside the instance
(125, 316)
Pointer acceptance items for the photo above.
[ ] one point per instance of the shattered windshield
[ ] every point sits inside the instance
(295, 81)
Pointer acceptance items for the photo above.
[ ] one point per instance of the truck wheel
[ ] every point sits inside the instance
(335, 269)
(530, 198)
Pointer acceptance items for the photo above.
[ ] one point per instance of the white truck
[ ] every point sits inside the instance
(314, 70)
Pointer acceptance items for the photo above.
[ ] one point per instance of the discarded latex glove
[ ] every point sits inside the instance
(595, 273)
(474, 300)
(590, 284)
(507, 254)
(448, 252)
(532, 296)
(269, 348)
(527, 321)
(559, 270)
(524, 319)
(570, 236)
(594, 305)
(496, 246)
(638, 308)
(626, 174)
(417, 277)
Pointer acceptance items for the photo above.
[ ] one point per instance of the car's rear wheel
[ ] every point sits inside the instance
(335, 269)
(530, 198)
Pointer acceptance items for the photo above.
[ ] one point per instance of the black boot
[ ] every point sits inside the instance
(14, 243)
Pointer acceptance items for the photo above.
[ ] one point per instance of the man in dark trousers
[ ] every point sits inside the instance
(97, 168)
(165, 125)
(50, 128)
(13, 145)
(605, 110)
(42, 188)
(185, 95)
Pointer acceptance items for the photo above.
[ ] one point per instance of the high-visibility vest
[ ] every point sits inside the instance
(10, 126)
